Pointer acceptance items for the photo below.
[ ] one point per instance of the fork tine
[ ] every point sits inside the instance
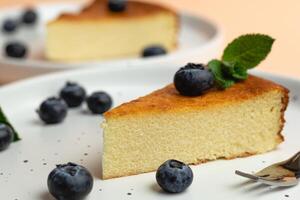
(246, 175)
(280, 183)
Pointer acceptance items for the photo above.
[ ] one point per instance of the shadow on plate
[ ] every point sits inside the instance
(257, 189)
(97, 170)
(46, 196)
(155, 188)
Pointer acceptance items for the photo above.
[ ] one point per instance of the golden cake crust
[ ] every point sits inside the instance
(168, 99)
(98, 11)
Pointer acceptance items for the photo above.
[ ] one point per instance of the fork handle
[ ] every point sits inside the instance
(293, 164)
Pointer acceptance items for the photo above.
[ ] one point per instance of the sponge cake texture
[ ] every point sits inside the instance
(243, 120)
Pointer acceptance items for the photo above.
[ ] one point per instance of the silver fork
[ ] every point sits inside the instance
(282, 174)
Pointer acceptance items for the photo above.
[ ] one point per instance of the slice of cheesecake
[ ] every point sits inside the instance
(243, 120)
(97, 33)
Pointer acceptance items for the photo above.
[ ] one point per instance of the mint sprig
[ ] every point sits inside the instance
(215, 67)
(3, 119)
(242, 54)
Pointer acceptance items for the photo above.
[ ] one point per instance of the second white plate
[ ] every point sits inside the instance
(199, 39)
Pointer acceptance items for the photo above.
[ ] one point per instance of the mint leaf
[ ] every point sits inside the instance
(248, 50)
(239, 56)
(215, 66)
(235, 70)
(3, 119)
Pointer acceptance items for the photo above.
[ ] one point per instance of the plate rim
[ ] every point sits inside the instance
(78, 71)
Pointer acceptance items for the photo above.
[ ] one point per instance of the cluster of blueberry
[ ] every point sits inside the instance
(17, 49)
(54, 110)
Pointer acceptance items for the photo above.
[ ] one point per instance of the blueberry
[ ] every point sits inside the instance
(6, 136)
(99, 102)
(16, 50)
(29, 17)
(117, 5)
(9, 26)
(70, 182)
(154, 50)
(174, 176)
(73, 94)
(193, 80)
(53, 110)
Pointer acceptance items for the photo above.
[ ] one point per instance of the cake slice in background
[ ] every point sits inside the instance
(98, 33)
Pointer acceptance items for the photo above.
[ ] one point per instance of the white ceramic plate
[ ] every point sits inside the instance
(199, 39)
(79, 139)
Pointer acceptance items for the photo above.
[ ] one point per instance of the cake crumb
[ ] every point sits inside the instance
(129, 193)
(287, 195)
